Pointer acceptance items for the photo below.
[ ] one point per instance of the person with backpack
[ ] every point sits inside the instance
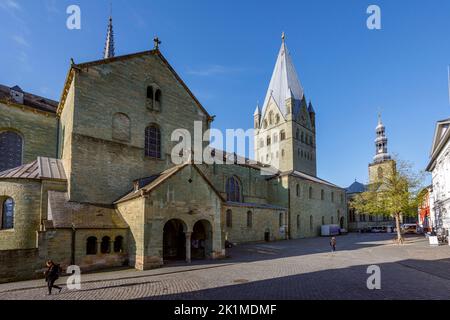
(51, 275)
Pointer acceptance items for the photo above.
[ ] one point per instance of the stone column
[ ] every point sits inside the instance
(188, 246)
(99, 247)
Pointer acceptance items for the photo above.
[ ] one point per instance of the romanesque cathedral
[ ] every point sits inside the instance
(89, 181)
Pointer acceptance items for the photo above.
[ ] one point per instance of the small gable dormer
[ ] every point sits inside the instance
(16, 94)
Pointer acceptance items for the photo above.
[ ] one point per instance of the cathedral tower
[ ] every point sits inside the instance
(285, 131)
(382, 162)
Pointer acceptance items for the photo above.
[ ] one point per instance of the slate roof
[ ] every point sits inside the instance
(65, 214)
(284, 83)
(41, 168)
(308, 177)
(356, 187)
(29, 100)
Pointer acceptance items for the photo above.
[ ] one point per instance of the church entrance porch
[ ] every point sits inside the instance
(174, 240)
(201, 240)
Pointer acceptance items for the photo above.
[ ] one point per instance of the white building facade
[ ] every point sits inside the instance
(439, 167)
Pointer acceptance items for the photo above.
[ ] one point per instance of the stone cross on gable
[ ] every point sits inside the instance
(156, 42)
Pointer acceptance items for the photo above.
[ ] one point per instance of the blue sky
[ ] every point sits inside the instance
(226, 50)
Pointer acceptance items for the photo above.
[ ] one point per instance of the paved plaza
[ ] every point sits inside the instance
(296, 269)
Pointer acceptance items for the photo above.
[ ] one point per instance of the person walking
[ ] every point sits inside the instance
(51, 275)
(333, 244)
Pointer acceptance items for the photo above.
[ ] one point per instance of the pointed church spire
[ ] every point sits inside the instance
(284, 83)
(109, 45)
(257, 110)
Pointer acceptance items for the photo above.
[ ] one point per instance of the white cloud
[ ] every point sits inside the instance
(213, 70)
(20, 40)
(10, 5)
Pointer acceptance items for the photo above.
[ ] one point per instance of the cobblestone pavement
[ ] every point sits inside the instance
(296, 269)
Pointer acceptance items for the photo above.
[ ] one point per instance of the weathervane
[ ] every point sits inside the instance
(156, 42)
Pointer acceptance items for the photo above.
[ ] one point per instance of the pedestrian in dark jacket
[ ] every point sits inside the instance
(51, 275)
(333, 244)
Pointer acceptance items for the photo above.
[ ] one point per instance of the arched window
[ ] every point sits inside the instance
(281, 219)
(332, 196)
(158, 95)
(302, 137)
(91, 246)
(7, 214)
(322, 194)
(153, 141)
(298, 222)
(229, 218)
(270, 117)
(269, 140)
(297, 190)
(233, 189)
(121, 127)
(150, 93)
(249, 219)
(297, 134)
(105, 246)
(10, 150)
(311, 224)
(310, 192)
(277, 119)
(118, 244)
(282, 135)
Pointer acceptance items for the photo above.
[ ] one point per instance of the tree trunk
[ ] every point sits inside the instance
(399, 231)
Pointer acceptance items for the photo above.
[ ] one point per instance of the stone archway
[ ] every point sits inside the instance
(201, 240)
(174, 240)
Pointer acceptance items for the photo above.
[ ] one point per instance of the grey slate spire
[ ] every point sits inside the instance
(109, 45)
(284, 83)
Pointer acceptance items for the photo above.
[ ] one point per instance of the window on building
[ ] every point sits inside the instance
(229, 218)
(342, 198)
(270, 117)
(268, 140)
(282, 153)
(322, 194)
(311, 224)
(332, 196)
(158, 95)
(302, 137)
(323, 220)
(281, 219)
(275, 138)
(310, 192)
(153, 142)
(118, 244)
(10, 150)
(7, 214)
(261, 143)
(380, 173)
(105, 246)
(297, 190)
(282, 135)
(277, 119)
(332, 220)
(297, 134)
(150, 93)
(91, 246)
(233, 189)
(249, 219)
(298, 222)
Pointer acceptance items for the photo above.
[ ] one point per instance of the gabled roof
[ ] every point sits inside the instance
(441, 137)
(356, 187)
(156, 180)
(284, 83)
(156, 52)
(29, 100)
(41, 168)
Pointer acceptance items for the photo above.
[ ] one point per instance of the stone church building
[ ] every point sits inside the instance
(89, 181)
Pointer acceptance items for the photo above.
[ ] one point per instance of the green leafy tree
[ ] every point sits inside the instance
(397, 194)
